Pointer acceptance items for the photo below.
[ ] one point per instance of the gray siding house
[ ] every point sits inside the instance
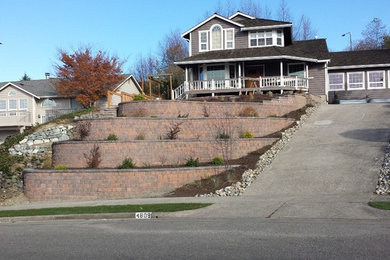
(243, 53)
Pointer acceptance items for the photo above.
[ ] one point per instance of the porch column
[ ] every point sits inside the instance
(239, 76)
(186, 85)
(281, 74)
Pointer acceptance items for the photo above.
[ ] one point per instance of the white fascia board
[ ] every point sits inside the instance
(266, 27)
(359, 66)
(209, 19)
(250, 59)
(21, 89)
(242, 14)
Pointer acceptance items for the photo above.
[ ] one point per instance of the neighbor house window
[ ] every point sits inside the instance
(216, 37)
(12, 104)
(49, 103)
(229, 38)
(12, 93)
(260, 38)
(376, 79)
(3, 105)
(23, 104)
(336, 81)
(203, 41)
(355, 80)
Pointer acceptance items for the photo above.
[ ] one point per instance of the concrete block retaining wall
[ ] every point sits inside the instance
(152, 153)
(167, 108)
(203, 128)
(94, 184)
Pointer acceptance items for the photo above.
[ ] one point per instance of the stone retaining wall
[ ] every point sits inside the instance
(40, 185)
(153, 153)
(154, 129)
(167, 108)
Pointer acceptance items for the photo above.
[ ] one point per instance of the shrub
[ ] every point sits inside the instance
(83, 129)
(60, 167)
(217, 161)
(273, 115)
(112, 137)
(222, 136)
(127, 164)
(248, 112)
(205, 111)
(139, 97)
(182, 116)
(93, 158)
(191, 162)
(140, 137)
(247, 134)
(122, 115)
(173, 131)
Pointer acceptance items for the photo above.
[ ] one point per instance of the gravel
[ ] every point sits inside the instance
(383, 186)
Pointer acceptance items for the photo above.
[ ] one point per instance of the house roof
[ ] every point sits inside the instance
(352, 59)
(126, 78)
(257, 22)
(238, 13)
(311, 50)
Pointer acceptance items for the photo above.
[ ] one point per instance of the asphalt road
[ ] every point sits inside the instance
(248, 238)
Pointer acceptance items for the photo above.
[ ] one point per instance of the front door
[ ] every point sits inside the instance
(252, 73)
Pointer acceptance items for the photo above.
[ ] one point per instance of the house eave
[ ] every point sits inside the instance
(19, 88)
(250, 59)
(266, 27)
(242, 14)
(359, 66)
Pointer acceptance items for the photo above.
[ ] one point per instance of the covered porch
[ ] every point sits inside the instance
(242, 77)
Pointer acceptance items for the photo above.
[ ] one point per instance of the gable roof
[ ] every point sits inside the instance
(311, 50)
(128, 77)
(258, 23)
(353, 59)
(36, 88)
(238, 13)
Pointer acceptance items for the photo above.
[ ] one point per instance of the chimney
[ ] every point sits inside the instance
(47, 75)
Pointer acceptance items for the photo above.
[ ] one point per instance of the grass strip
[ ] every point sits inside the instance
(169, 207)
(380, 204)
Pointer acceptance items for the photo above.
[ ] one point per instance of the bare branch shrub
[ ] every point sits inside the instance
(205, 111)
(93, 159)
(225, 138)
(248, 112)
(173, 131)
(83, 129)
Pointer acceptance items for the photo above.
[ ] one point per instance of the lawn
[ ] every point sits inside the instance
(171, 207)
(380, 204)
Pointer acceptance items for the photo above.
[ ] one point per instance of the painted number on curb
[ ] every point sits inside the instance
(143, 215)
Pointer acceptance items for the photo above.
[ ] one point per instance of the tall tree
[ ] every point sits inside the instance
(373, 36)
(144, 65)
(87, 75)
(304, 29)
(284, 12)
(250, 7)
(25, 77)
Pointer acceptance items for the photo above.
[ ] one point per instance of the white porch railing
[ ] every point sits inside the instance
(15, 118)
(276, 82)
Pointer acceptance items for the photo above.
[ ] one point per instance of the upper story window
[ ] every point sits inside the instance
(376, 79)
(12, 104)
(3, 105)
(355, 80)
(216, 37)
(49, 103)
(203, 41)
(336, 81)
(12, 93)
(23, 104)
(266, 38)
(229, 38)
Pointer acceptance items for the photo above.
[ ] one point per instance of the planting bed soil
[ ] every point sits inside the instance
(242, 98)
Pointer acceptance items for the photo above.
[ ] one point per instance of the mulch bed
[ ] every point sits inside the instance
(242, 98)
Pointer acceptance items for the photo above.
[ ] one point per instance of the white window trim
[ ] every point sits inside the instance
(20, 107)
(5, 105)
(207, 41)
(274, 39)
(225, 37)
(342, 74)
(297, 63)
(364, 85)
(383, 82)
(211, 37)
(12, 91)
(12, 109)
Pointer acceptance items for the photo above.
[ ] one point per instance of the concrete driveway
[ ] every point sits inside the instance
(328, 170)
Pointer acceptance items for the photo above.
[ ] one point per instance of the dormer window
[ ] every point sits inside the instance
(266, 38)
(216, 37)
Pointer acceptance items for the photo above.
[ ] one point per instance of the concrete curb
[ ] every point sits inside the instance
(99, 216)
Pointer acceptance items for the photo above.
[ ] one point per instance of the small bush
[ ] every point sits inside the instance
(112, 137)
(127, 164)
(60, 167)
(93, 158)
(139, 97)
(248, 112)
(205, 112)
(122, 115)
(182, 116)
(217, 161)
(247, 134)
(173, 131)
(191, 162)
(222, 136)
(83, 128)
(140, 137)
(273, 115)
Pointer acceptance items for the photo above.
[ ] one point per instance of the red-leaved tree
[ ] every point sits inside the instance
(87, 76)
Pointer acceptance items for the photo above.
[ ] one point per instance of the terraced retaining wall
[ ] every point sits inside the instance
(150, 128)
(168, 108)
(153, 153)
(94, 184)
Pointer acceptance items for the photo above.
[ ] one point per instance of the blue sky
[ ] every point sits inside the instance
(33, 30)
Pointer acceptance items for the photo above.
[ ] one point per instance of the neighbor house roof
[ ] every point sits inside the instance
(37, 88)
(353, 59)
(126, 78)
(311, 50)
